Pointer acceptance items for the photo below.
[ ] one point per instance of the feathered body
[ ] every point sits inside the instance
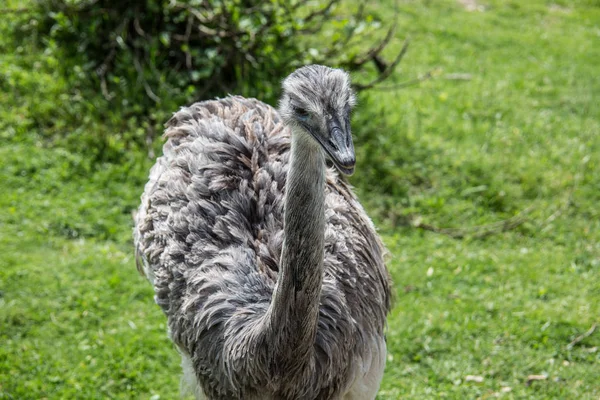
(209, 236)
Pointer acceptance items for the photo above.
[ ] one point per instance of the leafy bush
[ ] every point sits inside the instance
(147, 58)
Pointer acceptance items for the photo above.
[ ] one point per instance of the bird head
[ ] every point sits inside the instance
(318, 100)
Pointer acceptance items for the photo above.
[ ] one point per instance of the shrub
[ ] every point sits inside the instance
(149, 57)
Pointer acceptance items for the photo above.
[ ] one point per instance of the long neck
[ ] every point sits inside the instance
(294, 310)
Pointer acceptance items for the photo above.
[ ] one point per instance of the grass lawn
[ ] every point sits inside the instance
(508, 126)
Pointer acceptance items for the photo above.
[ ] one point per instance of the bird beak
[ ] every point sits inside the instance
(339, 147)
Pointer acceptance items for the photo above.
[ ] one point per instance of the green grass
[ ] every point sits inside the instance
(76, 320)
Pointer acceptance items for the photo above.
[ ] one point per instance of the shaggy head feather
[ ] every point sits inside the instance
(318, 100)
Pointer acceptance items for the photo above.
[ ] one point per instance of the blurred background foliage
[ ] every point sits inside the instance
(147, 58)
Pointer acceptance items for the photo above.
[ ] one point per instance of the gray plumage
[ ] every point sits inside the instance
(267, 267)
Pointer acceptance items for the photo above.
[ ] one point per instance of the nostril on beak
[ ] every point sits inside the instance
(336, 132)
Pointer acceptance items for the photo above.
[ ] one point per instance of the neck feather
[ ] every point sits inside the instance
(294, 310)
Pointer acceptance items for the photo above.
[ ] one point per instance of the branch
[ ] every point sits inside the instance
(411, 82)
(104, 88)
(186, 39)
(299, 4)
(205, 20)
(103, 69)
(192, 10)
(479, 232)
(581, 337)
(317, 13)
(136, 24)
(147, 88)
(320, 12)
(374, 51)
(459, 76)
(387, 72)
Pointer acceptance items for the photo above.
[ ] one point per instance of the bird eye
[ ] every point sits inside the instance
(301, 113)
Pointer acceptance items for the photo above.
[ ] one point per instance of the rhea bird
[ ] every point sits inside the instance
(270, 273)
